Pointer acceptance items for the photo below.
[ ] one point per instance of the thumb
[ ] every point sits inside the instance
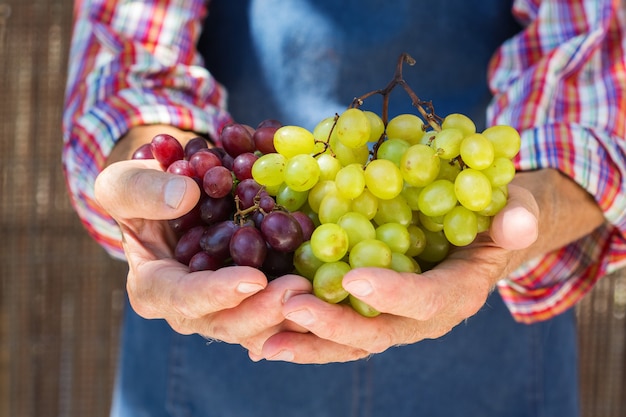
(139, 189)
(516, 226)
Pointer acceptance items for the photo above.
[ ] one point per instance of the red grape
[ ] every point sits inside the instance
(214, 210)
(188, 244)
(202, 261)
(306, 224)
(194, 145)
(202, 161)
(269, 123)
(181, 167)
(264, 139)
(236, 139)
(216, 239)
(143, 152)
(218, 182)
(281, 231)
(247, 247)
(242, 165)
(247, 191)
(166, 149)
(185, 222)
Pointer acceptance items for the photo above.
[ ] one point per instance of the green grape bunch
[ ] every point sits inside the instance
(402, 206)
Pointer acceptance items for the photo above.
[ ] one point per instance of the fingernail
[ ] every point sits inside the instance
(249, 288)
(283, 355)
(174, 192)
(302, 317)
(359, 287)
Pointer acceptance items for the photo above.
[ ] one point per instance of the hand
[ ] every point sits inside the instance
(422, 306)
(234, 304)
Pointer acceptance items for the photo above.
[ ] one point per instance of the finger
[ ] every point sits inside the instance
(516, 226)
(438, 293)
(307, 348)
(165, 289)
(342, 325)
(257, 317)
(139, 189)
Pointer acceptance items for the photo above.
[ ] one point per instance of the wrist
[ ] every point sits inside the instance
(567, 212)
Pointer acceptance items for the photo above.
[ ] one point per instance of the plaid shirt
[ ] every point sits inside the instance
(561, 82)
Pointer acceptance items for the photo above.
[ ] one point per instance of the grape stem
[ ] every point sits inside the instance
(425, 108)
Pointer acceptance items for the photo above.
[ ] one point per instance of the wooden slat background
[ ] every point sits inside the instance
(61, 296)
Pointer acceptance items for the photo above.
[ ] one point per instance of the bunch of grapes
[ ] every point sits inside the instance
(357, 191)
(394, 196)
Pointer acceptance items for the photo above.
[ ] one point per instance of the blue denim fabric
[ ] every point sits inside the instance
(488, 366)
(300, 61)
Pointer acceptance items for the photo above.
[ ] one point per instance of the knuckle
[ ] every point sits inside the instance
(180, 325)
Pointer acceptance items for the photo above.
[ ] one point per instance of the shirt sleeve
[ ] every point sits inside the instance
(131, 63)
(561, 82)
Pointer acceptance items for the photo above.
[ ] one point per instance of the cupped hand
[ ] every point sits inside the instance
(233, 304)
(414, 306)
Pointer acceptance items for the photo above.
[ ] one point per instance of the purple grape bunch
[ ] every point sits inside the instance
(235, 222)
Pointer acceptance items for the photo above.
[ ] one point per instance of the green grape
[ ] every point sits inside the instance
(332, 207)
(362, 307)
(402, 263)
(346, 155)
(327, 282)
(392, 150)
(291, 199)
(459, 121)
(357, 226)
(290, 141)
(395, 210)
(460, 226)
(448, 170)
(437, 198)
(273, 189)
(350, 181)
(419, 165)
(501, 172)
(473, 189)
(353, 128)
(370, 253)
(268, 169)
(408, 127)
(305, 262)
(329, 242)
(498, 201)
(477, 151)
(433, 224)
(323, 129)
(448, 143)
(383, 179)
(366, 204)
(504, 189)
(436, 249)
(411, 196)
(377, 127)
(394, 235)
(505, 139)
(329, 166)
(319, 191)
(417, 241)
(484, 222)
(301, 172)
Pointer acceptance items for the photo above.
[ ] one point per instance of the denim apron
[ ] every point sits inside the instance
(300, 61)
